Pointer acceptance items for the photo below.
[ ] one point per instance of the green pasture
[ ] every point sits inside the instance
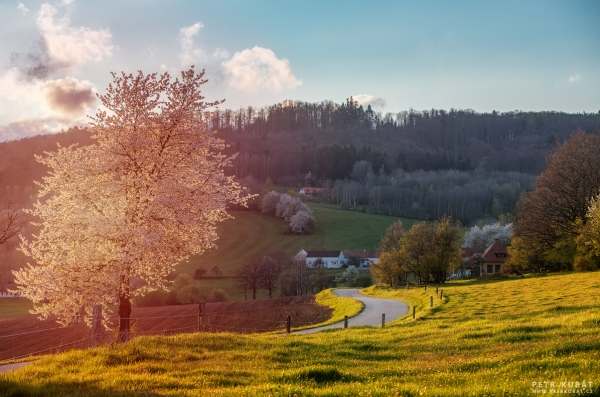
(14, 307)
(256, 233)
(492, 338)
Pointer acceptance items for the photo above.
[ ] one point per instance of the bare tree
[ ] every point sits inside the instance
(12, 219)
(270, 274)
(249, 274)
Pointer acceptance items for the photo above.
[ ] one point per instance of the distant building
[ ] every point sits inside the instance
(311, 191)
(337, 258)
(493, 259)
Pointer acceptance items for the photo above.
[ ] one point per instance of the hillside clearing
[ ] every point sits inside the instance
(256, 233)
(485, 339)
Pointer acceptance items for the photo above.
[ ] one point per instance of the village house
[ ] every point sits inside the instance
(337, 258)
(493, 259)
(481, 264)
(311, 191)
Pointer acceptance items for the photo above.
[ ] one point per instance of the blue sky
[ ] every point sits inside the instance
(504, 55)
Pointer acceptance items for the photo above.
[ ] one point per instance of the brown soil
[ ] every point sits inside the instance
(27, 335)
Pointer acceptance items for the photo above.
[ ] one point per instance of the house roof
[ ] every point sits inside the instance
(495, 253)
(323, 254)
(361, 254)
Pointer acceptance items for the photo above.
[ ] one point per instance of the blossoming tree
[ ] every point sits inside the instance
(117, 216)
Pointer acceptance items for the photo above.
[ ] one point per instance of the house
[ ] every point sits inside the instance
(364, 257)
(493, 259)
(331, 259)
(338, 258)
(311, 191)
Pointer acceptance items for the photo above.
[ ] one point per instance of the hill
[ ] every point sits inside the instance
(252, 232)
(492, 338)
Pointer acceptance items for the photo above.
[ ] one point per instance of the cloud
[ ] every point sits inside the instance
(59, 103)
(365, 100)
(71, 46)
(31, 102)
(69, 97)
(36, 64)
(259, 68)
(186, 39)
(574, 78)
(24, 10)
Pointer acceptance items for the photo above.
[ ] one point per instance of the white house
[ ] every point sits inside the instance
(337, 258)
(331, 259)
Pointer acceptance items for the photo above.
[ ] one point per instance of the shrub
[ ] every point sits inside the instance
(219, 295)
(199, 273)
(363, 281)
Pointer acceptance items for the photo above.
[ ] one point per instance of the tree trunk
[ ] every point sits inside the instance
(124, 318)
(124, 310)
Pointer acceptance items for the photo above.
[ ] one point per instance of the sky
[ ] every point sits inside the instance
(483, 55)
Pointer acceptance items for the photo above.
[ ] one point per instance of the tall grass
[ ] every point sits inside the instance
(485, 339)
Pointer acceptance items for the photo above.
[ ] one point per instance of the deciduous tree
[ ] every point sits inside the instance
(547, 217)
(144, 197)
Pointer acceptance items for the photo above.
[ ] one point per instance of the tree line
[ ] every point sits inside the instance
(467, 196)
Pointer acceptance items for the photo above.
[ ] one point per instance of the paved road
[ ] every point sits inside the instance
(371, 315)
(12, 367)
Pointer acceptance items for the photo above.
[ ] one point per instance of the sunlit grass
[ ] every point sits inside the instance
(341, 306)
(485, 338)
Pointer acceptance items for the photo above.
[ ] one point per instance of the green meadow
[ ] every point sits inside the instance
(252, 232)
(491, 338)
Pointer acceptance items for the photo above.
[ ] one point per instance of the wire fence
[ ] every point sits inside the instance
(32, 343)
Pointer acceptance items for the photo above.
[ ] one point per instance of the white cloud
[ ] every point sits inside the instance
(30, 102)
(365, 100)
(70, 45)
(186, 39)
(30, 107)
(574, 78)
(221, 53)
(259, 68)
(24, 10)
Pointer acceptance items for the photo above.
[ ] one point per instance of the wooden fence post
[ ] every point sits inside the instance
(288, 325)
(382, 320)
(414, 311)
(425, 287)
(200, 315)
(441, 293)
(345, 321)
(431, 301)
(96, 324)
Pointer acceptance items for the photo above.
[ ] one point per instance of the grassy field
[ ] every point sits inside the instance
(256, 233)
(492, 338)
(14, 307)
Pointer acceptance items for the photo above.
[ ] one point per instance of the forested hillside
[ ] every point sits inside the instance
(326, 139)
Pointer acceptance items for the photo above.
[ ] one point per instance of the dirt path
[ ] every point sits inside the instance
(371, 315)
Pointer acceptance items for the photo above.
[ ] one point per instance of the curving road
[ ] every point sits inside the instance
(371, 314)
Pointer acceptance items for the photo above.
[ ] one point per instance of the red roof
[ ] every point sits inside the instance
(495, 253)
(312, 190)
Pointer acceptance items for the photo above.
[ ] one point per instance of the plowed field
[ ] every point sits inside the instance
(27, 335)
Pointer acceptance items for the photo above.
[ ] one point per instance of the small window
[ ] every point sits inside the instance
(498, 267)
(490, 269)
